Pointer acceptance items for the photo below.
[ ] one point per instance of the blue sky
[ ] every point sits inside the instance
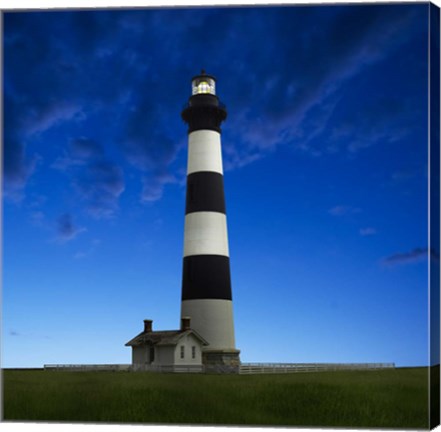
(325, 157)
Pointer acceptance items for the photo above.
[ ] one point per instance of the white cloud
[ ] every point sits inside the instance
(368, 231)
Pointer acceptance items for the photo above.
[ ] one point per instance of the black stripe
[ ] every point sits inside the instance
(206, 277)
(205, 192)
(204, 111)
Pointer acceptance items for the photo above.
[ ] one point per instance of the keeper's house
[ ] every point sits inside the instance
(170, 350)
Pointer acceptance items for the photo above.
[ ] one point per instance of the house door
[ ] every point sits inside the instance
(152, 354)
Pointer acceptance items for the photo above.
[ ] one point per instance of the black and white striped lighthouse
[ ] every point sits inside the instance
(206, 283)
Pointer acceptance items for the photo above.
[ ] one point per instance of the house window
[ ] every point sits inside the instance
(193, 352)
(182, 351)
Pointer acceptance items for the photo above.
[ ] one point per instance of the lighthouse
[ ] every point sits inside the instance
(206, 281)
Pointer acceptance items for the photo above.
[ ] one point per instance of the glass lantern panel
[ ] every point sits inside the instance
(203, 85)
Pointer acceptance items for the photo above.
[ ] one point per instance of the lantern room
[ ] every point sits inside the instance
(203, 84)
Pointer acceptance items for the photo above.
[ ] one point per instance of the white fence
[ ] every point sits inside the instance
(169, 368)
(271, 368)
(244, 368)
(89, 367)
(125, 367)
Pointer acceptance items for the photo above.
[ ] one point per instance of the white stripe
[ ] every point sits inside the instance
(204, 152)
(213, 320)
(205, 233)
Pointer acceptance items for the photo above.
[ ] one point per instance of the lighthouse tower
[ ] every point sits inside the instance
(206, 284)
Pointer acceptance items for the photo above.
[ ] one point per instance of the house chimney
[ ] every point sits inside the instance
(147, 326)
(185, 323)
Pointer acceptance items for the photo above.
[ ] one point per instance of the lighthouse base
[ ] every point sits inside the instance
(221, 361)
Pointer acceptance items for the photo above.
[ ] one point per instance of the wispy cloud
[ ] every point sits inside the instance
(153, 186)
(54, 113)
(99, 185)
(148, 142)
(80, 151)
(15, 333)
(66, 229)
(301, 103)
(341, 210)
(368, 231)
(416, 255)
(17, 165)
(403, 175)
(37, 218)
(97, 182)
(67, 74)
(85, 253)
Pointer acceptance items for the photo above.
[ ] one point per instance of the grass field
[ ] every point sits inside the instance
(386, 398)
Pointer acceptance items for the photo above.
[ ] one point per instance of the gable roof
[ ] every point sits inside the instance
(166, 337)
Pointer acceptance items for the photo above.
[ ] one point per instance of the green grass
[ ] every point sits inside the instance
(387, 398)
